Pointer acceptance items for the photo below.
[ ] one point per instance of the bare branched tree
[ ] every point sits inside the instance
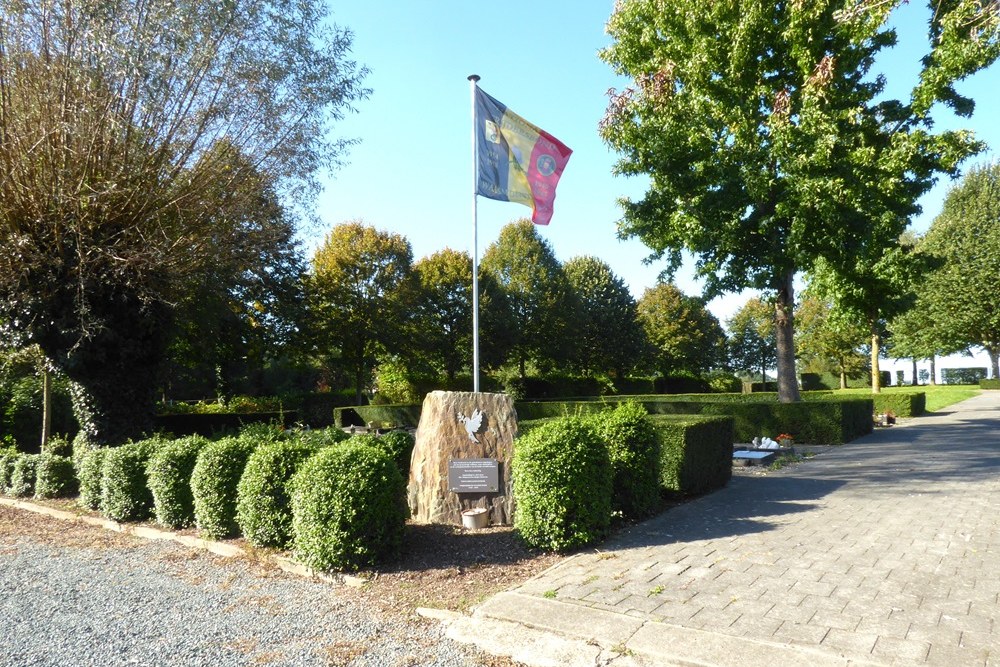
(122, 125)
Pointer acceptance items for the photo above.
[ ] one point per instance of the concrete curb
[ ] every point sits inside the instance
(219, 548)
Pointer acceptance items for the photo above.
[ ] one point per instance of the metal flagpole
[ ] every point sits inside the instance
(473, 79)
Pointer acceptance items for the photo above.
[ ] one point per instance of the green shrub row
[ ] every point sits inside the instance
(696, 453)
(214, 482)
(42, 475)
(169, 477)
(383, 416)
(990, 384)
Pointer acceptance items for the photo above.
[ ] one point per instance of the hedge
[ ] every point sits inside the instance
(214, 484)
(125, 494)
(397, 444)
(8, 455)
(901, 403)
(88, 472)
(208, 425)
(348, 508)
(563, 485)
(989, 384)
(391, 416)
(55, 477)
(169, 473)
(23, 475)
(263, 506)
(696, 453)
(971, 375)
(634, 451)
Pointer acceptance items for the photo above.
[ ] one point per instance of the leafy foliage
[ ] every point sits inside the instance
(397, 444)
(348, 508)
(826, 338)
(634, 451)
(682, 333)
(752, 343)
(563, 485)
(8, 455)
(89, 464)
(169, 473)
(23, 475)
(55, 477)
(214, 483)
(263, 506)
(125, 494)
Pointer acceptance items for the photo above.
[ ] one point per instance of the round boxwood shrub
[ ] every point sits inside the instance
(8, 455)
(322, 437)
(169, 477)
(397, 444)
(23, 475)
(55, 477)
(562, 485)
(263, 505)
(88, 472)
(348, 508)
(634, 450)
(125, 494)
(58, 445)
(214, 481)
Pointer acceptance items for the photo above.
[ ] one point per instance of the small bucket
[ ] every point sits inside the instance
(476, 518)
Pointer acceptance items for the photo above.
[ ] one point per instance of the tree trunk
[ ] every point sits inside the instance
(46, 406)
(914, 381)
(788, 387)
(994, 353)
(876, 376)
(843, 376)
(933, 370)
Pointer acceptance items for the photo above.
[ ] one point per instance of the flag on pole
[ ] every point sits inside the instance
(518, 161)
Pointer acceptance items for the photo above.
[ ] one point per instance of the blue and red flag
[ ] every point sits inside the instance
(518, 161)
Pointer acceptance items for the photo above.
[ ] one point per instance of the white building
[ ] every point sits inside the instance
(978, 360)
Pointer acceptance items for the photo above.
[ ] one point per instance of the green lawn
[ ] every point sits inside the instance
(938, 396)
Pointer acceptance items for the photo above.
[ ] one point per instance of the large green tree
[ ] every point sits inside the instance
(609, 338)
(961, 296)
(360, 295)
(541, 302)
(751, 342)
(825, 339)
(771, 144)
(118, 119)
(683, 335)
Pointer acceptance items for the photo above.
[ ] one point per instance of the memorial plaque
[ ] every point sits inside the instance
(473, 476)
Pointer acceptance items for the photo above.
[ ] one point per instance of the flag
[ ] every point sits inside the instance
(518, 161)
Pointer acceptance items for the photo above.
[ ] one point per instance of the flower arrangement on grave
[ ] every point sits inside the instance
(785, 440)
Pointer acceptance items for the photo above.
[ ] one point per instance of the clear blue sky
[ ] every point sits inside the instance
(411, 171)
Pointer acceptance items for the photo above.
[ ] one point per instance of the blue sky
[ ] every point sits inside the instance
(411, 171)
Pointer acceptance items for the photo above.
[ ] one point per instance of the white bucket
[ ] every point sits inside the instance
(476, 518)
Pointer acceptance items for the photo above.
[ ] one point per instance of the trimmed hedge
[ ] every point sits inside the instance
(901, 403)
(214, 484)
(125, 494)
(88, 473)
(634, 451)
(23, 475)
(348, 508)
(972, 375)
(563, 485)
(212, 424)
(322, 437)
(696, 453)
(59, 446)
(263, 505)
(55, 477)
(989, 384)
(395, 416)
(397, 444)
(8, 455)
(169, 473)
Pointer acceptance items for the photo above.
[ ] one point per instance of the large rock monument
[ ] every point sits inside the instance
(463, 433)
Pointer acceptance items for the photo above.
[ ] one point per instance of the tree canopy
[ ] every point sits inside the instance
(770, 143)
(683, 335)
(751, 345)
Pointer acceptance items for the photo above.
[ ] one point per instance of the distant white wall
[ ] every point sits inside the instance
(978, 360)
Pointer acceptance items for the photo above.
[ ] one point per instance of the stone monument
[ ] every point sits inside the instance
(471, 436)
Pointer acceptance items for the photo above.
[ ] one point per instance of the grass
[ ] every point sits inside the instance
(938, 396)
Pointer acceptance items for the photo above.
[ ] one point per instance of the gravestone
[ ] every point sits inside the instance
(461, 460)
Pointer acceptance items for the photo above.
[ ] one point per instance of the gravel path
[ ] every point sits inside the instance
(76, 595)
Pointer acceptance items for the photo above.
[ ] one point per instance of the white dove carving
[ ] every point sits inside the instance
(472, 424)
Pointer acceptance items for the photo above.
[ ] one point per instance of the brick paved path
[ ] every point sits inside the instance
(884, 551)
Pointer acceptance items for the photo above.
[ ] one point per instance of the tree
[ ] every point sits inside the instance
(359, 295)
(827, 339)
(609, 337)
(118, 121)
(539, 296)
(683, 335)
(752, 344)
(961, 296)
(443, 313)
(769, 144)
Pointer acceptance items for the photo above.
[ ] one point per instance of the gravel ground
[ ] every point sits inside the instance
(77, 595)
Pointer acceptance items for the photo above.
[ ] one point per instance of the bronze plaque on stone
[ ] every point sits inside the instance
(473, 476)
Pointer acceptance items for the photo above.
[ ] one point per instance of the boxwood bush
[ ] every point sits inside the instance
(8, 455)
(989, 384)
(214, 480)
(696, 453)
(125, 494)
(55, 477)
(322, 437)
(168, 473)
(397, 444)
(88, 464)
(23, 475)
(562, 485)
(348, 508)
(59, 446)
(634, 451)
(263, 505)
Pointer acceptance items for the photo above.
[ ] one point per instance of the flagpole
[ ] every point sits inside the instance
(473, 79)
